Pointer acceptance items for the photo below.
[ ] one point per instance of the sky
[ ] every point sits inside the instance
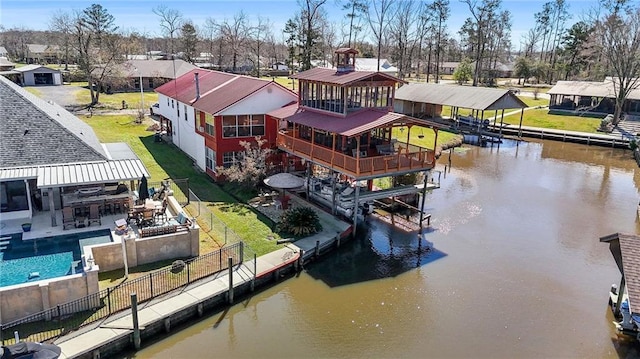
(138, 14)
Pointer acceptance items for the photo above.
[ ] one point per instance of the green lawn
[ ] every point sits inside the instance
(531, 102)
(542, 118)
(165, 160)
(428, 139)
(282, 80)
(114, 101)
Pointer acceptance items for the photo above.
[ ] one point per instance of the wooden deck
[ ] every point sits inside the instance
(408, 158)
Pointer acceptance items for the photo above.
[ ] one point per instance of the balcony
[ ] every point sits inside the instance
(377, 162)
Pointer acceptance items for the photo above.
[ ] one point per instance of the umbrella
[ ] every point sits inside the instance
(284, 181)
(30, 350)
(143, 191)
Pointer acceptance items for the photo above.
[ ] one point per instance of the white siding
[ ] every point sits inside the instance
(185, 136)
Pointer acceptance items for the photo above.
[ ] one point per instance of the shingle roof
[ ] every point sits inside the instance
(35, 132)
(168, 69)
(477, 98)
(627, 256)
(331, 76)
(218, 90)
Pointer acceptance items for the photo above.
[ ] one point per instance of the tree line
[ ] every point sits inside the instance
(413, 35)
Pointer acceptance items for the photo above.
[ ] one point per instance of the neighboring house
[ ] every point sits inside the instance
(595, 97)
(367, 64)
(280, 66)
(6, 65)
(3, 52)
(46, 151)
(42, 54)
(35, 75)
(448, 68)
(207, 113)
(126, 76)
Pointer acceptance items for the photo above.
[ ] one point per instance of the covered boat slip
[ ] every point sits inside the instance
(625, 300)
(426, 101)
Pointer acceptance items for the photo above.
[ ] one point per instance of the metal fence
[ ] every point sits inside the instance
(209, 223)
(62, 319)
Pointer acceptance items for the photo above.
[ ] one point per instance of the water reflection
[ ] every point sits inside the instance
(512, 267)
(379, 251)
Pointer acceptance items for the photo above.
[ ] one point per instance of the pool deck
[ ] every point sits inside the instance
(41, 225)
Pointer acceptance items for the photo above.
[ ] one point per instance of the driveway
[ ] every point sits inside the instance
(62, 95)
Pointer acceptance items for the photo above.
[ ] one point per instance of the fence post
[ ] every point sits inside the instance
(109, 299)
(317, 248)
(241, 251)
(151, 283)
(255, 270)
(134, 316)
(230, 280)
(188, 273)
(220, 261)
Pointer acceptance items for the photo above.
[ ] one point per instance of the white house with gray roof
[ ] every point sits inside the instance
(36, 75)
(44, 149)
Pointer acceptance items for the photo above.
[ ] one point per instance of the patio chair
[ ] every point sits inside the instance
(94, 214)
(147, 217)
(68, 218)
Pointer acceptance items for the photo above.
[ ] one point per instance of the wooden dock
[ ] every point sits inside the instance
(596, 139)
(395, 220)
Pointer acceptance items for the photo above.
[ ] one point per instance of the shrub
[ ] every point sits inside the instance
(299, 222)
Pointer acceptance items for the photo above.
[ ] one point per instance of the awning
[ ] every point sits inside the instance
(74, 174)
(356, 124)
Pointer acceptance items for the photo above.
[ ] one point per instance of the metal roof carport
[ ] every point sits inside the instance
(478, 99)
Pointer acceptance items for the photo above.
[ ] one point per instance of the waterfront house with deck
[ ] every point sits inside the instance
(344, 122)
(208, 113)
(591, 98)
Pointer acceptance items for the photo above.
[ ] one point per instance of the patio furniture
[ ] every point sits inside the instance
(147, 218)
(94, 214)
(162, 211)
(67, 217)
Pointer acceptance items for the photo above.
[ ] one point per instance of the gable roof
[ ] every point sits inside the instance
(218, 90)
(34, 67)
(371, 64)
(331, 76)
(3, 51)
(477, 98)
(168, 69)
(591, 88)
(36, 132)
(625, 249)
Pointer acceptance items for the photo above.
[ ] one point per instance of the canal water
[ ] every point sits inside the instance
(511, 267)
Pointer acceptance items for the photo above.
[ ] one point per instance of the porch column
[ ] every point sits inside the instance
(52, 207)
(29, 202)
(424, 196)
(333, 153)
(501, 121)
(358, 155)
(520, 126)
(616, 312)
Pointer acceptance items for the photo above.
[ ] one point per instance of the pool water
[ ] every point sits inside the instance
(49, 257)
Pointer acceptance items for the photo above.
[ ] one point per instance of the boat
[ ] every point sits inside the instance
(321, 190)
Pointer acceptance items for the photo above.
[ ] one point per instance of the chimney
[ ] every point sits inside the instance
(197, 87)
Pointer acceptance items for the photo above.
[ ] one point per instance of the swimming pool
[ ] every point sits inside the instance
(49, 257)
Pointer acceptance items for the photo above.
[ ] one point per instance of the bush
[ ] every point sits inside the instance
(299, 222)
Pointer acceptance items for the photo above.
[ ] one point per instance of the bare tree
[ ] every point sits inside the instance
(402, 31)
(99, 48)
(620, 36)
(378, 17)
(259, 33)
(483, 16)
(61, 24)
(235, 36)
(170, 22)
(440, 9)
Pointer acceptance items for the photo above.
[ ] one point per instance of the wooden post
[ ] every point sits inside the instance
(134, 316)
(355, 208)
(424, 195)
(616, 312)
(230, 280)
(520, 126)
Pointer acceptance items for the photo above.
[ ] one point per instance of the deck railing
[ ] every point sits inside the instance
(407, 157)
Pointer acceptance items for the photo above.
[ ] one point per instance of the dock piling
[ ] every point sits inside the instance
(134, 317)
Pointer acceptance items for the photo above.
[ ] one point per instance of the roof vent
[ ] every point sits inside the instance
(197, 86)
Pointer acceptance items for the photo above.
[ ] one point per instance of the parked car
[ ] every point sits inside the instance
(154, 108)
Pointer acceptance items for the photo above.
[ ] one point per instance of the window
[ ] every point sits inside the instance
(167, 102)
(229, 158)
(209, 125)
(171, 103)
(243, 126)
(210, 159)
(185, 112)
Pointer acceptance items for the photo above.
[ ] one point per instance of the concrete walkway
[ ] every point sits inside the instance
(85, 341)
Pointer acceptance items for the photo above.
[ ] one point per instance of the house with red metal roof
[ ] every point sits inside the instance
(344, 123)
(208, 113)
